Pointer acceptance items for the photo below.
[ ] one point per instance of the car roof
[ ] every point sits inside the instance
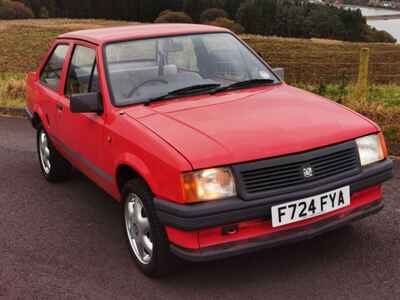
(112, 34)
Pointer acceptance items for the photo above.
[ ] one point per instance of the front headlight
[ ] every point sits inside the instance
(371, 148)
(209, 184)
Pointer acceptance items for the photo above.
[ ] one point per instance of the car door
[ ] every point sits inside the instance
(82, 133)
(50, 83)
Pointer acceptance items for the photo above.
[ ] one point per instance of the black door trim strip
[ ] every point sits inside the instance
(83, 160)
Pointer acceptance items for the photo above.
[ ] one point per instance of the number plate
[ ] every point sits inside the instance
(307, 208)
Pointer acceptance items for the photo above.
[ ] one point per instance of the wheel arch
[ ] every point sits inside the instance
(131, 168)
(125, 173)
(36, 121)
(38, 117)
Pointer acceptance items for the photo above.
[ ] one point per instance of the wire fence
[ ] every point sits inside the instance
(336, 67)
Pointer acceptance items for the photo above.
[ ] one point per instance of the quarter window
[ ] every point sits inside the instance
(51, 73)
(83, 75)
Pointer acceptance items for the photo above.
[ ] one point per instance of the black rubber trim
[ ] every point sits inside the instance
(228, 211)
(276, 239)
(91, 166)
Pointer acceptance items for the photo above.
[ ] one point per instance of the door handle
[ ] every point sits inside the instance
(60, 106)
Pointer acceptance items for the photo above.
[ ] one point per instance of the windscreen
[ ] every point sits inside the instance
(143, 69)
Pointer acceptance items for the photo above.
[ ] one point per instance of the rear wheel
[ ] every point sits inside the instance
(146, 237)
(53, 166)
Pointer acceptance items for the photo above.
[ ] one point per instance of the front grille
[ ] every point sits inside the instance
(290, 173)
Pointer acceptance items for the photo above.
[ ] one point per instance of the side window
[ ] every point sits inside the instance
(51, 73)
(82, 76)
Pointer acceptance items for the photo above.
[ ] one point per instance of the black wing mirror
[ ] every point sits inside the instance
(280, 72)
(86, 103)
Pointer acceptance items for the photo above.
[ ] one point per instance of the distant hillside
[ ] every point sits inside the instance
(286, 18)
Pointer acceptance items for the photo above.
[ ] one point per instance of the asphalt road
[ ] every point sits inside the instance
(65, 241)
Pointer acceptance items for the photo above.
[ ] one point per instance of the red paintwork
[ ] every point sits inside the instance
(135, 32)
(252, 124)
(184, 239)
(163, 140)
(259, 228)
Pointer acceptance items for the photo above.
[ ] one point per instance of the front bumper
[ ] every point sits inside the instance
(233, 210)
(197, 232)
(275, 239)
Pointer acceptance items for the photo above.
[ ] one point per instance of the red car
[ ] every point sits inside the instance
(210, 152)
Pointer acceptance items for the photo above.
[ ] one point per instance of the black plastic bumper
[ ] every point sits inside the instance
(276, 239)
(228, 211)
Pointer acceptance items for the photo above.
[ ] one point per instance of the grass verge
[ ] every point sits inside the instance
(12, 91)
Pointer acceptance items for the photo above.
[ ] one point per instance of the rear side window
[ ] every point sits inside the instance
(82, 76)
(51, 73)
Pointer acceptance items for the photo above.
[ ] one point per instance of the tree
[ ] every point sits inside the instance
(291, 18)
(232, 6)
(258, 16)
(21, 10)
(212, 14)
(14, 10)
(195, 7)
(44, 13)
(6, 12)
(329, 25)
(354, 23)
(229, 24)
(37, 5)
(170, 16)
(373, 35)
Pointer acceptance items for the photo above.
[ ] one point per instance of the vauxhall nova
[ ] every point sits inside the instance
(209, 151)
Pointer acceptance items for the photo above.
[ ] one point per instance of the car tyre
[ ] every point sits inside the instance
(146, 237)
(54, 167)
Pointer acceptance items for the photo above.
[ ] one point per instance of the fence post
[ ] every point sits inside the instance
(361, 92)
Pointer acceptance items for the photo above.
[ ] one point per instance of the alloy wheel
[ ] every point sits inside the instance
(138, 229)
(44, 152)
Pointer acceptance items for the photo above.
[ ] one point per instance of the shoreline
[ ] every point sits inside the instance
(370, 6)
(384, 17)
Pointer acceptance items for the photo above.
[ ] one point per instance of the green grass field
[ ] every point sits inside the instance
(386, 94)
(325, 67)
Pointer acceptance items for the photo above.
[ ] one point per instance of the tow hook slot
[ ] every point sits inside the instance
(230, 230)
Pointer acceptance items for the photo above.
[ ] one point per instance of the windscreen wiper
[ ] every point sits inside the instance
(184, 91)
(242, 84)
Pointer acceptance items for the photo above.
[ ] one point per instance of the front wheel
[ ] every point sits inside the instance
(146, 237)
(53, 166)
